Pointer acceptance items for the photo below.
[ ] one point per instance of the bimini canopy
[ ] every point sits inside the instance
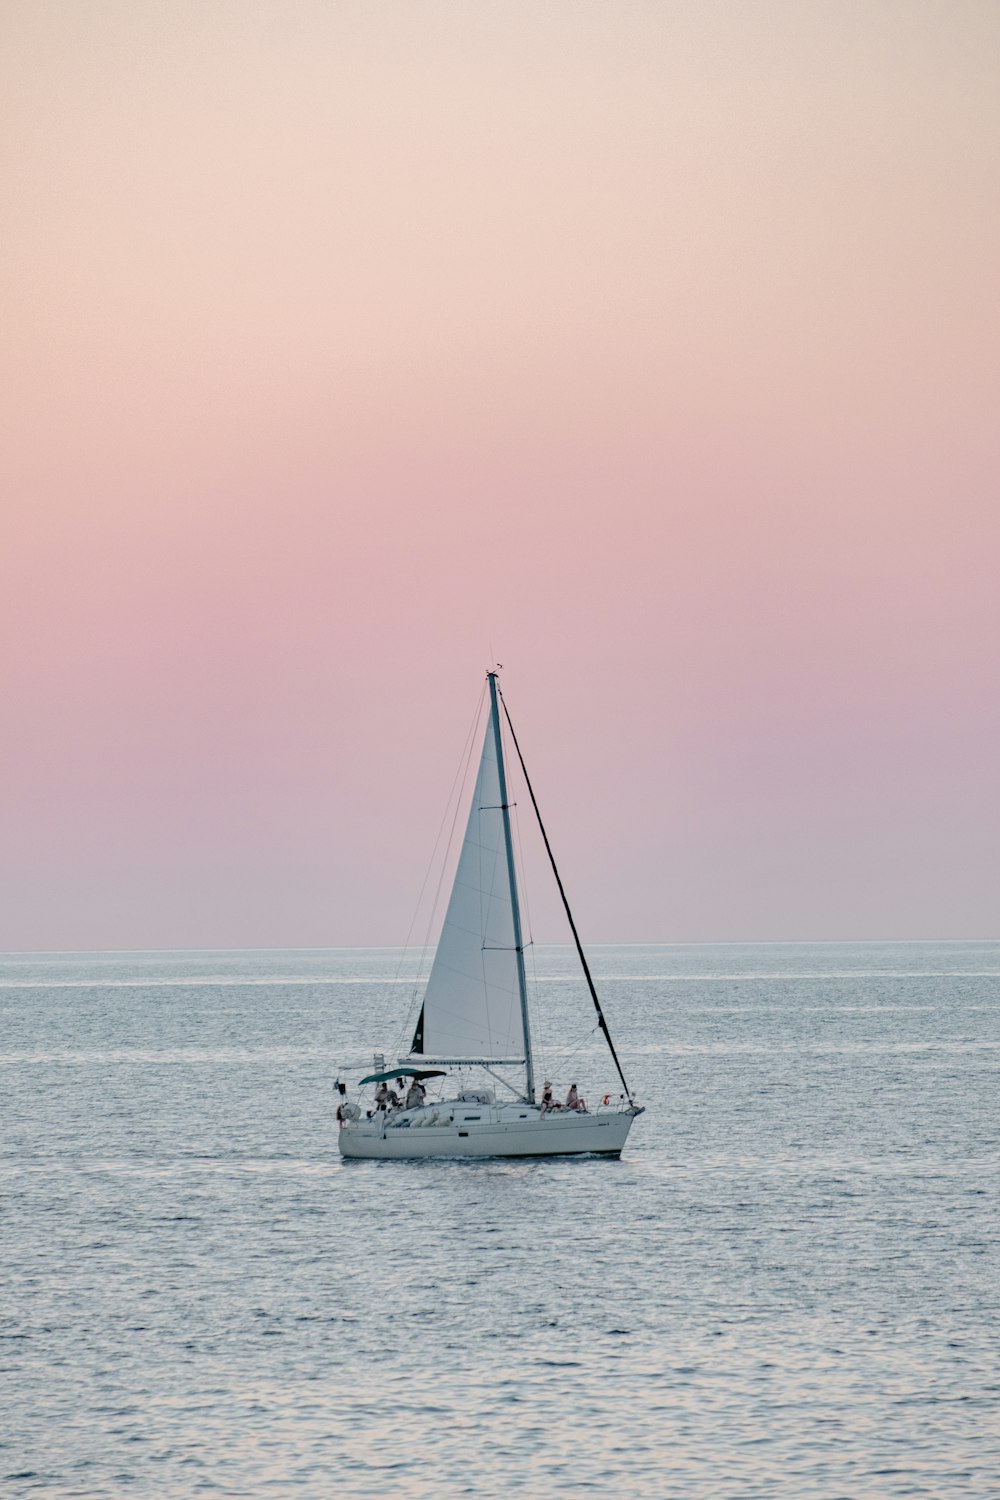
(404, 1073)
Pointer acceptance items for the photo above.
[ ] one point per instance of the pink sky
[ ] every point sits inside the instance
(656, 346)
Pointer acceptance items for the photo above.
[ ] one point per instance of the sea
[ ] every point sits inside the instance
(788, 1285)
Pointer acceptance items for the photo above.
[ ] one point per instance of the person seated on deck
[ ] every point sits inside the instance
(573, 1100)
(415, 1094)
(548, 1103)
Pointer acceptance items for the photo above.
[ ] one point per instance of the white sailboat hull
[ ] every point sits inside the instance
(459, 1129)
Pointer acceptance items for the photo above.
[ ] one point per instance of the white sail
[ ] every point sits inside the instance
(472, 1005)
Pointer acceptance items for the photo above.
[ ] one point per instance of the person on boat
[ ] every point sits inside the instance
(341, 1102)
(573, 1100)
(385, 1097)
(415, 1094)
(547, 1101)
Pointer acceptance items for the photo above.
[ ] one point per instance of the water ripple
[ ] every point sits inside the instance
(787, 1289)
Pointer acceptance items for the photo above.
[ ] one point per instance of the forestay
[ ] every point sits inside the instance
(472, 1004)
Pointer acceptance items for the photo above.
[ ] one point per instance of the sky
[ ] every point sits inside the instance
(652, 349)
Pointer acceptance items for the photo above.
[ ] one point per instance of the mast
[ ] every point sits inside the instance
(515, 909)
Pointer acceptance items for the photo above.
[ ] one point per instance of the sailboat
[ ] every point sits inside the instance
(474, 1014)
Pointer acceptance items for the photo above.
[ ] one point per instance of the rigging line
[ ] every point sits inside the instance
(576, 937)
(458, 781)
(515, 913)
(487, 897)
(524, 876)
(567, 1057)
(505, 1081)
(534, 1012)
(486, 904)
(500, 893)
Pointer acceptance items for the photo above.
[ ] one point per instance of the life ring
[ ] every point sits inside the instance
(607, 1099)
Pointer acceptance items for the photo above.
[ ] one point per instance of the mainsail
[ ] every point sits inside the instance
(473, 1003)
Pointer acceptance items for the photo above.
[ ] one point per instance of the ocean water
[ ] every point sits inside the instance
(787, 1287)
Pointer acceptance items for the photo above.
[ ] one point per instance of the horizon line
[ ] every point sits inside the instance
(403, 948)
